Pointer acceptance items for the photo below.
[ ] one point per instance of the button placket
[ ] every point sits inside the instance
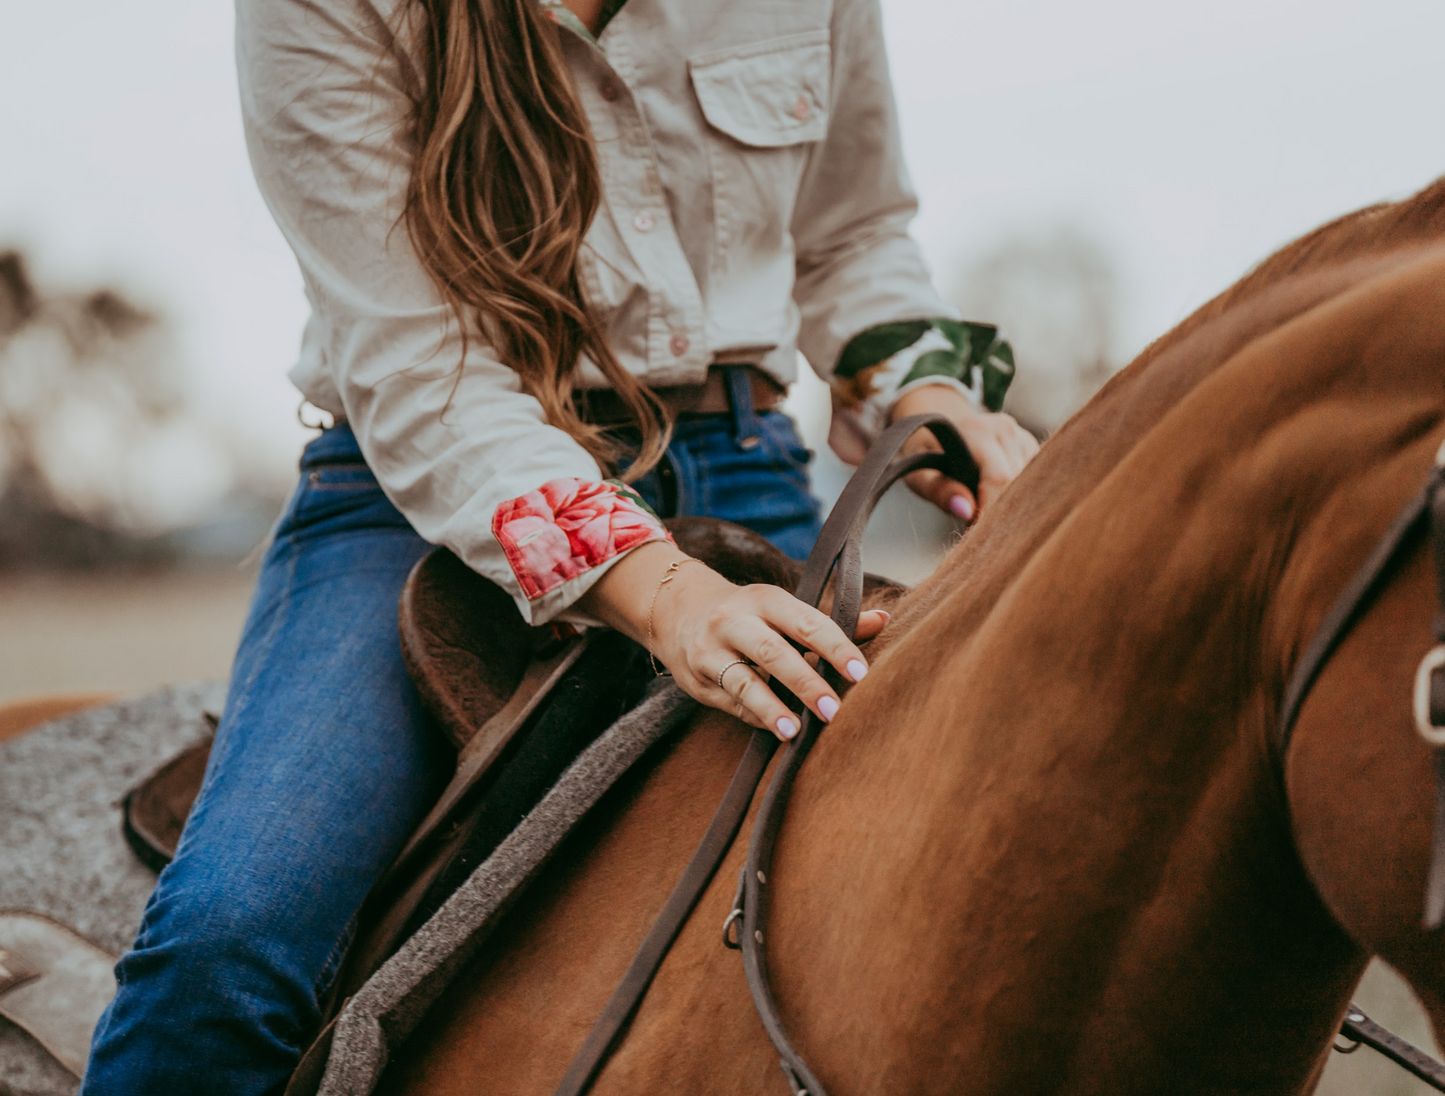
(674, 308)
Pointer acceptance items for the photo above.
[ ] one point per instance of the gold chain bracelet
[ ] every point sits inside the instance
(667, 576)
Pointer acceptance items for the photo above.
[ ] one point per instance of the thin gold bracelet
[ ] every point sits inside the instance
(667, 576)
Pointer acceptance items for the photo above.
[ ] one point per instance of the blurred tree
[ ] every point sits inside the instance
(1054, 294)
(83, 378)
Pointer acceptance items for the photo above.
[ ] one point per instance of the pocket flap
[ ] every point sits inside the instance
(768, 94)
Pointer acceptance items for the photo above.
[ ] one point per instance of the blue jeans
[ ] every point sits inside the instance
(324, 762)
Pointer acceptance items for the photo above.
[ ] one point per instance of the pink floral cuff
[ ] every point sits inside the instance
(568, 526)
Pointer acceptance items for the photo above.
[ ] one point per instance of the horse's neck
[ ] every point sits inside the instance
(1050, 815)
(1094, 442)
(1056, 855)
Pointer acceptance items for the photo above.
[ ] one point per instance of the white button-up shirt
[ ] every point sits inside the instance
(756, 204)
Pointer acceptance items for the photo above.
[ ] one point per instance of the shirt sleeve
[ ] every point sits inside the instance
(454, 440)
(857, 266)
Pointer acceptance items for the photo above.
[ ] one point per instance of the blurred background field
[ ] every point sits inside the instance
(1088, 176)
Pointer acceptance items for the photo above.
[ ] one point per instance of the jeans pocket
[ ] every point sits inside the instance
(780, 439)
(337, 498)
(765, 488)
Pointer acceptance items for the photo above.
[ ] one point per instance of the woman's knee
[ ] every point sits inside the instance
(218, 994)
(234, 948)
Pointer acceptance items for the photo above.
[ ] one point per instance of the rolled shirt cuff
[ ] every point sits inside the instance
(971, 358)
(562, 537)
(855, 425)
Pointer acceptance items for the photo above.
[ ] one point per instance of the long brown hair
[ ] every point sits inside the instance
(504, 185)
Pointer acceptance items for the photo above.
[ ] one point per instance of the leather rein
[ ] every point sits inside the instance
(838, 555)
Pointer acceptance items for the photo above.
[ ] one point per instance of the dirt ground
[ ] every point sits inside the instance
(127, 635)
(117, 634)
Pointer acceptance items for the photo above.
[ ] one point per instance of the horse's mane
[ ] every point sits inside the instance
(1374, 230)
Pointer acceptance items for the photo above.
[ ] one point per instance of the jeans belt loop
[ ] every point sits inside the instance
(747, 429)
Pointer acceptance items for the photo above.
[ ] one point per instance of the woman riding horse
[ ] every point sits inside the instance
(544, 244)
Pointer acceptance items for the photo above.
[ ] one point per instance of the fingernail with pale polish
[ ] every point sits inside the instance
(787, 727)
(961, 508)
(884, 613)
(827, 707)
(856, 670)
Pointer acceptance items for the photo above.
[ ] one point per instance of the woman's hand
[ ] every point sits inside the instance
(723, 642)
(999, 444)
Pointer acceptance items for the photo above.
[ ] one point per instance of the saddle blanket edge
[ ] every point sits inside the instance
(387, 1008)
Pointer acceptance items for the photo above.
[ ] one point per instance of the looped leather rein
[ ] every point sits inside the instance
(837, 555)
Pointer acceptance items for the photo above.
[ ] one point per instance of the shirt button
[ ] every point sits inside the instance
(678, 345)
(801, 108)
(609, 91)
(642, 222)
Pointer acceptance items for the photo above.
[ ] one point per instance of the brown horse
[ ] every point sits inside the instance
(1045, 846)
(22, 716)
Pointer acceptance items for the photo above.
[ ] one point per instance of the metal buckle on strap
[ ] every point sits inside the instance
(1432, 734)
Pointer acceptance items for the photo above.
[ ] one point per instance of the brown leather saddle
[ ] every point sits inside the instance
(518, 702)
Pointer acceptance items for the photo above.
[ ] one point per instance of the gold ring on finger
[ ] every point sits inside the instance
(729, 666)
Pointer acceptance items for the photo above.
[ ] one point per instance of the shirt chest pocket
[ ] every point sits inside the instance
(766, 106)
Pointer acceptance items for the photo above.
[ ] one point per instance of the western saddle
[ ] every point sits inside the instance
(483, 674)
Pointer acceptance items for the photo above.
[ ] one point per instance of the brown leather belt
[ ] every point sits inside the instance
(604, 407)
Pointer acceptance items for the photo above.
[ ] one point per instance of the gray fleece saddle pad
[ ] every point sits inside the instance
(62, 854)
(385, 1011)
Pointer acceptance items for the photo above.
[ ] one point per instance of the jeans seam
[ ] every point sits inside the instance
(332, 967)
(245, 692)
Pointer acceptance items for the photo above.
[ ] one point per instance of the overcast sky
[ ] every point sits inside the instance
(1190, 139)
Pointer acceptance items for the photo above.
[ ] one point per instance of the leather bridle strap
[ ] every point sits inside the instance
(838, 553)
(1426, 510)
(1346, 609)
(1359, 1027)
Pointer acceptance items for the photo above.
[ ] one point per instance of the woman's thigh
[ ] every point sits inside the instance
(322, 764)
(324, 758)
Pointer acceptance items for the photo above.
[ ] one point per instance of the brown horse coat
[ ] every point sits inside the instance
(1045, 845)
